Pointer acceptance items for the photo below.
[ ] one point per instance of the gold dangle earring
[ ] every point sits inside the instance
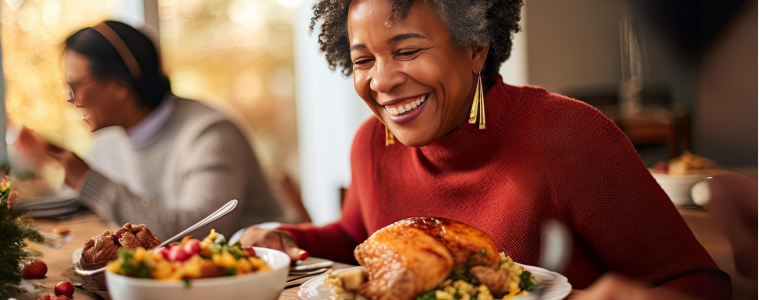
(389, 138)
(478, 105)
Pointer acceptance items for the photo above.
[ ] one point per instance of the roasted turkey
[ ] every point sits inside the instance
(412, 256)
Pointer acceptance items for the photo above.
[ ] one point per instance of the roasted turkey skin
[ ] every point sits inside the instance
(414, 255)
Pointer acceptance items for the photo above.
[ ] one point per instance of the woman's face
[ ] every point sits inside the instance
(411, 74)
(98, 99)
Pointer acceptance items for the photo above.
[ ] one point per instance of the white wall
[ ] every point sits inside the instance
(574, 44)
(131, 12)
(329, 112)
(515, 69)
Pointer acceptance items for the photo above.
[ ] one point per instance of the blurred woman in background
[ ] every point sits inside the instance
(157, 159)
(429, 72)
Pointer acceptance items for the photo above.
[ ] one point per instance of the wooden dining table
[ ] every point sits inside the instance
(85, 224)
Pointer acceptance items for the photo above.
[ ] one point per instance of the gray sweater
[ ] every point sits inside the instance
(196, 162)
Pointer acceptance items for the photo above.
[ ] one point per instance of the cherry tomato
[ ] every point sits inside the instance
(249, 251)
(192, 247)
(178, 254)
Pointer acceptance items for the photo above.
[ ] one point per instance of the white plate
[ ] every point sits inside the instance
(53, 212)
(557, 286)
(64, 195)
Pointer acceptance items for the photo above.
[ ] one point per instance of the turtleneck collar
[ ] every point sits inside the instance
(141, 134)
(468, 146)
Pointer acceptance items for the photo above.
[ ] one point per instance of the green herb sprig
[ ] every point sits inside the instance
(15, 231)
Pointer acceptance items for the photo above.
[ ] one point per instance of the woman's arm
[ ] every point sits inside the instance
(619, 210)
(211, 172)
(613, 286)
(335, 241)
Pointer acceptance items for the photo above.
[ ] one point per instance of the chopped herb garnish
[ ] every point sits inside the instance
(187, 283)
(143, 272)
(527, 283)
(427, 296)
(220, 240)
(483, 252)
(459, 273)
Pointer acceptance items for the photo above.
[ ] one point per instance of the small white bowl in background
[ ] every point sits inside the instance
(678, 187)
(261, 285)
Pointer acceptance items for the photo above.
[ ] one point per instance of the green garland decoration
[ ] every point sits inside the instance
(14, 232)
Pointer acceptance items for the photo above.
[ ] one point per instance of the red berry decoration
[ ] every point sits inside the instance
(64, 288)
(35, 269)
(46, 297)
(62, 297)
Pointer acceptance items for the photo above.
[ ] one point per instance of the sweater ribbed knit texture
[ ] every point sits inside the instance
(197, 161)
(542, 156)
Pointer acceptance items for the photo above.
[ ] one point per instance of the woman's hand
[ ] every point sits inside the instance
(614, 287)
(273, 239)
(76, 169)
(39, 151)
(30, 148)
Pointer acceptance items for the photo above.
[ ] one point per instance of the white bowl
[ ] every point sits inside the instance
(262, 285)
(678, 187)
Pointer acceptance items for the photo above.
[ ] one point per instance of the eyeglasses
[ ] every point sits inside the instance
(71, 93)
(71, 96)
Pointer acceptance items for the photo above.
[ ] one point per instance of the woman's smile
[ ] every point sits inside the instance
(402, 111)
(85, 115)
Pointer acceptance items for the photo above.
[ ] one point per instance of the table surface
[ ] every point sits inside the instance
(87, 225)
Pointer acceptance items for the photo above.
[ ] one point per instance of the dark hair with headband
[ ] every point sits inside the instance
(108, 47)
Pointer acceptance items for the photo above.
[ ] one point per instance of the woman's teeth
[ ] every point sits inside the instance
(405, 107)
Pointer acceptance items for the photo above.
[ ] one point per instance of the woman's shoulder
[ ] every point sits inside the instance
(536, 104)
(192, 115)
(189, 110)
(559, 124)
(539, 100)
(195, 122)
(559, 113)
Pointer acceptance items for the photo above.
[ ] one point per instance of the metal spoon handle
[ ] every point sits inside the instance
(224, 210)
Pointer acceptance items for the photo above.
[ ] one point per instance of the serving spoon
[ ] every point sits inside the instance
(223, 211)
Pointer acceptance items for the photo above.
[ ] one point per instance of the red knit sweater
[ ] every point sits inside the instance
(542, 156)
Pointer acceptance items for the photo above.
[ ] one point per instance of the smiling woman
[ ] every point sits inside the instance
(394, 66)
(418, 40)
(425, 68)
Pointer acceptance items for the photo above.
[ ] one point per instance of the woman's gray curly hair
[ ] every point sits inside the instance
(471, 22)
